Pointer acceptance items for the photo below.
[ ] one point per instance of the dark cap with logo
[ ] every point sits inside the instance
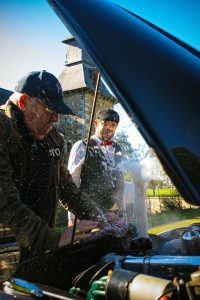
(107, 115)
(47, 88)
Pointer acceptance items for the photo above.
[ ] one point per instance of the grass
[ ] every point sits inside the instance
(176, 218)
(173, 225)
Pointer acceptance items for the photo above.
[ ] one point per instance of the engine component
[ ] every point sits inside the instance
(191, 239)
(193, 286)
(141, 245)
(18, 286)
(124, 284)
(164, 266)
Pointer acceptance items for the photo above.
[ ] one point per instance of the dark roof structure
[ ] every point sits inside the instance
(80, 71)
(4, 95)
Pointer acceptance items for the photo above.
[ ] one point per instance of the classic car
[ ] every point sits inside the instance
(155, 78)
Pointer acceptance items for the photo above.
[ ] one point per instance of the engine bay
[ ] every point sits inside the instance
(142, 272)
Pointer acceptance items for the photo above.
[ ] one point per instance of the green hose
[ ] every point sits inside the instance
(97, 291)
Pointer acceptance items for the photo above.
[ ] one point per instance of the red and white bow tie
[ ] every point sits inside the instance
(107, 143)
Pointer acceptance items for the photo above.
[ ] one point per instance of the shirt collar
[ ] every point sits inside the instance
(97, 139)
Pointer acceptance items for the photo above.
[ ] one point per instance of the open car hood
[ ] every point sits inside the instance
(153, 75)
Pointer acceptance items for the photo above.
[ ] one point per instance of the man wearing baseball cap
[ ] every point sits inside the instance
(99, 174)
(33, 175)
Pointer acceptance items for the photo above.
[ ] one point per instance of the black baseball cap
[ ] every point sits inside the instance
(108, 115)
(47, 88)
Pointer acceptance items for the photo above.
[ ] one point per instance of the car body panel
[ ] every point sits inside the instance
(171, 226)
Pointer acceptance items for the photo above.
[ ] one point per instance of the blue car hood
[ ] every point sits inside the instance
(153, 75)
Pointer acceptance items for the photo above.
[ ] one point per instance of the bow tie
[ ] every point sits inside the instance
(107, 143)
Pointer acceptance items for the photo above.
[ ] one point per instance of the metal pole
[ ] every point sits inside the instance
(92, 115)
(87, 144)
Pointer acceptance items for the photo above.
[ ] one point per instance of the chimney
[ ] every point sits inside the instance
(75, 54)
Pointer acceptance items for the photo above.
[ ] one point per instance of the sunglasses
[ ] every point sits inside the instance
(47, 110)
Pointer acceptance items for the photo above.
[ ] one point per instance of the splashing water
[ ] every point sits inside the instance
(142, 172)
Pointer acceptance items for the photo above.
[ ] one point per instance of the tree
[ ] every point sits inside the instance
(155, 184)
(122, 139)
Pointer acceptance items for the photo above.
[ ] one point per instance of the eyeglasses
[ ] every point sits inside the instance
(47, 110)
(112, 124)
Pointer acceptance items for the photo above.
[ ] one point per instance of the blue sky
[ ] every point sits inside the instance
(31, 33)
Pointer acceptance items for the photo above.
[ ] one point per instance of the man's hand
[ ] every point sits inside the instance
(83, 231)
(110, 216)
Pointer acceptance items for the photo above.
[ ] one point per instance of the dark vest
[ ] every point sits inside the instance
(99, 179)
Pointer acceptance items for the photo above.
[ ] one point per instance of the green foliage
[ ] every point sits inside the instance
(122, 139)
(61, 217)
(162, 192)
(128, 176)
(170, 204)
(155, 183)
(169, 198)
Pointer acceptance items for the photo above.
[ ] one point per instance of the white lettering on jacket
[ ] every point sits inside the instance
(54, 152)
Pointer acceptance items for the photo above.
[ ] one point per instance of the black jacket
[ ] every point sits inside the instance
(33, 177)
